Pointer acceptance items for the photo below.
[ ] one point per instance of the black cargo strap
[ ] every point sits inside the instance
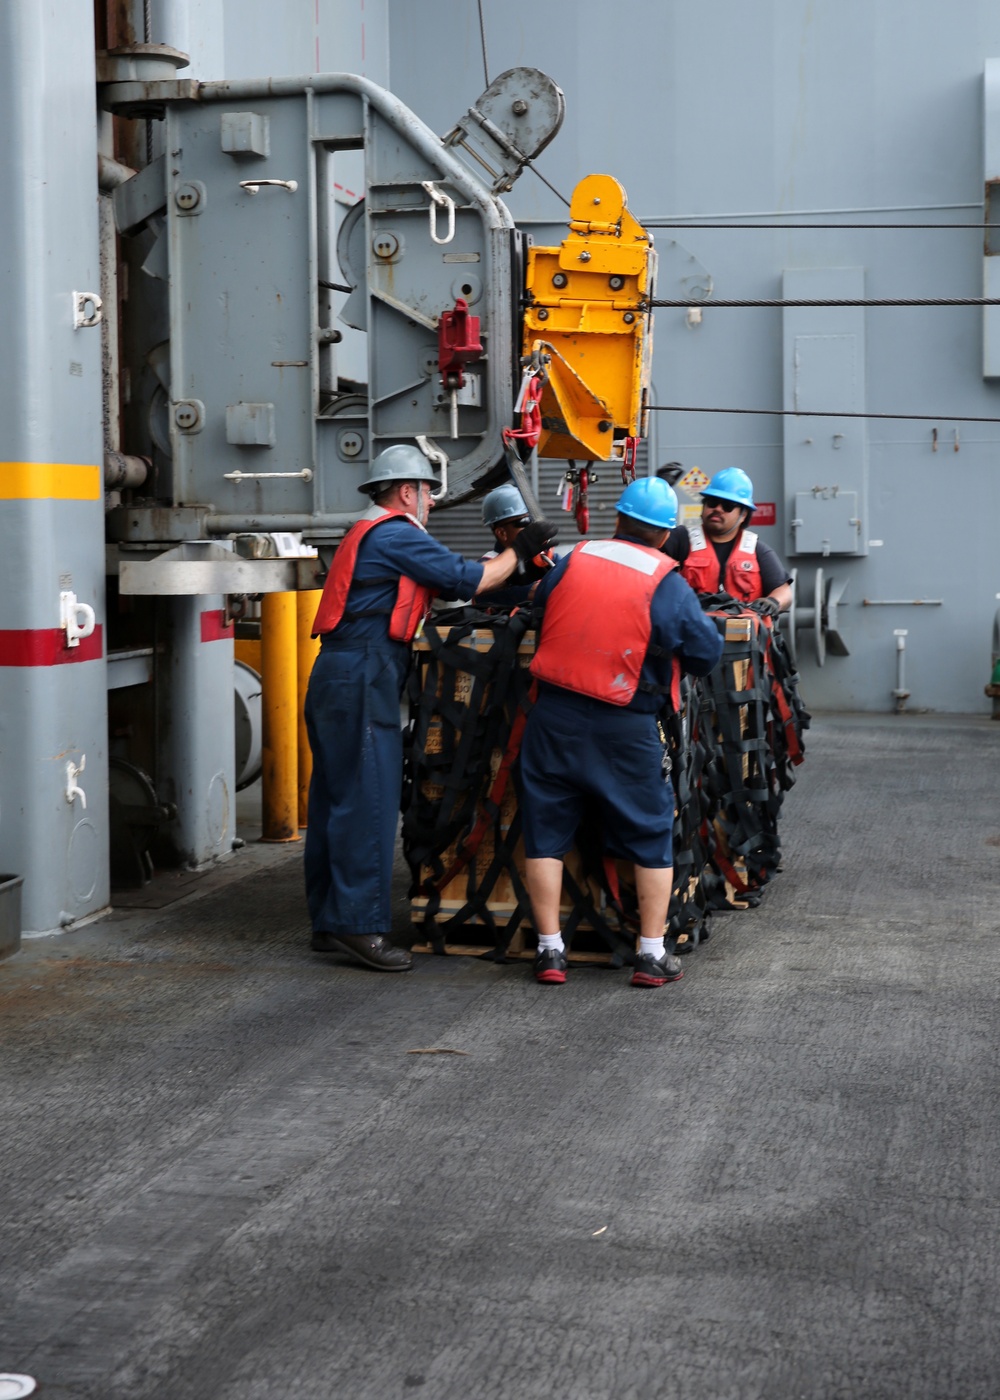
(470, 727)
(732, 748)
(443, 828)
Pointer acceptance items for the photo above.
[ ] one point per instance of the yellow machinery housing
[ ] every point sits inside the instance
(588, 312)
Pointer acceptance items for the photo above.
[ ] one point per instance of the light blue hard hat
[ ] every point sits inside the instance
(731, 484)
(650, 500)
(503, 503)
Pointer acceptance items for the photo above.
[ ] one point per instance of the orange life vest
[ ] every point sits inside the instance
(597, 623)
(413, 600)
(742, 576)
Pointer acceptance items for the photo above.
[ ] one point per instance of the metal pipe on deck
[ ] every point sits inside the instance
(280, 798)
(307, 650)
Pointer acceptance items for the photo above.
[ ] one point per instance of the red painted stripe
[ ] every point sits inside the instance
(46, 646)
(214, 627)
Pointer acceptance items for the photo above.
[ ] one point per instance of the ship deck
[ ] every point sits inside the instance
(226, 1176)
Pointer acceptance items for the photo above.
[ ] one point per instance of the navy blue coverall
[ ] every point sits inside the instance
(577, 749)
(352, 717)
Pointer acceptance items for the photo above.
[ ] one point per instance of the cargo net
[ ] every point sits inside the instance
(733, 745)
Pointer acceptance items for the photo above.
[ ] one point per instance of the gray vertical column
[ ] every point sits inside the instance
(197, 729)
(53, 696)
(197, 741)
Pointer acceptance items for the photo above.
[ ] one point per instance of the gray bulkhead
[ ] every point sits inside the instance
(773, 114)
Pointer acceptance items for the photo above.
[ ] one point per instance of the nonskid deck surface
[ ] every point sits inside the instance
(225, 1178)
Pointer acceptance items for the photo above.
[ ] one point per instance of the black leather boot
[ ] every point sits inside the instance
(369, 949)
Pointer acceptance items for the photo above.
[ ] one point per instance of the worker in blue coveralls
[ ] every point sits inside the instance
(505, 513)
(619, 624)
(383, 577)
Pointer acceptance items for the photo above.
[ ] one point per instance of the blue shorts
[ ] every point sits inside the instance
(579, 753)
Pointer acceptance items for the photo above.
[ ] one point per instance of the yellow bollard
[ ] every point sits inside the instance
(280, 806)
(307, 651)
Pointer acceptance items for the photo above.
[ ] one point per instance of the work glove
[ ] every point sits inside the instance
(531, 570)
(767, 607)
(536, 536)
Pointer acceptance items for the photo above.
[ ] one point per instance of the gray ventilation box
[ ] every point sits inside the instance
(250, 424)
(246, 134)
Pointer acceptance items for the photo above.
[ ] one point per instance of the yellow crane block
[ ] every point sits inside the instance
(588, 312)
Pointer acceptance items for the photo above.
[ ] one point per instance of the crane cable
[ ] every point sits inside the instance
(823, 413)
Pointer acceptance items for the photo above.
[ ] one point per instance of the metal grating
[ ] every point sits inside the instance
(461, 527)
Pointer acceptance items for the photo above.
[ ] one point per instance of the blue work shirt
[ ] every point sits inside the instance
(678, 626)
(393, 548)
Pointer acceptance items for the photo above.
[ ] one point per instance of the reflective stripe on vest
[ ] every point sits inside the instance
(742, 577)
(412, 603)
(597, 625)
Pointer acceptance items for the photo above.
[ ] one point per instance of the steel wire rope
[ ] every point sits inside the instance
(780, 302)
(147, 32)
(661, 224)
(535, 171)
(482, 37)
(823, 413)
(486, 75)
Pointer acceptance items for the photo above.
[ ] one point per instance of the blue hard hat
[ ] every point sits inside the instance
(503, 503)
(731, 484)
(650, 500)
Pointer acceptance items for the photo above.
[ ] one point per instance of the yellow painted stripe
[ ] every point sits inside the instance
(49, 481)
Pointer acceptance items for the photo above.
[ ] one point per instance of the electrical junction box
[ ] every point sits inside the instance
(826, 521)
(825, 450)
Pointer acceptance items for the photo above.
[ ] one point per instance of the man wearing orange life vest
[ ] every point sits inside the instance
(618, 625)
(377, 593)
(723, 556)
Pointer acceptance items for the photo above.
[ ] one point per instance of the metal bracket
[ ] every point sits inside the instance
(508, 125)
(82, 317)
(73, 789)
(304, 475)
(75, 619)
(443, 201)
(439, 458)
(254, 186)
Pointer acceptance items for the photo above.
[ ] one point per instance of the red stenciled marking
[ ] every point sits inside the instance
(317, 53)
(765, 514)
(214, 627)
(46, 646)
(346, 191)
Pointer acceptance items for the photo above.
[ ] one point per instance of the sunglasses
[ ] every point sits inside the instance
(714, 504)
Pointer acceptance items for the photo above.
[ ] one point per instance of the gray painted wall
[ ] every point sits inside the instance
(866, 113)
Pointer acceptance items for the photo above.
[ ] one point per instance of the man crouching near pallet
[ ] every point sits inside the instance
(619, 624)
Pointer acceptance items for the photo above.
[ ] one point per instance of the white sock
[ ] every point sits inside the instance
(652, 946)
(551, 943)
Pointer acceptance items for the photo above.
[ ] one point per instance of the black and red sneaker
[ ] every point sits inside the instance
(550, 966)
(656, 972)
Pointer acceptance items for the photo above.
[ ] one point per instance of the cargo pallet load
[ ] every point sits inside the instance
(733, 747)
